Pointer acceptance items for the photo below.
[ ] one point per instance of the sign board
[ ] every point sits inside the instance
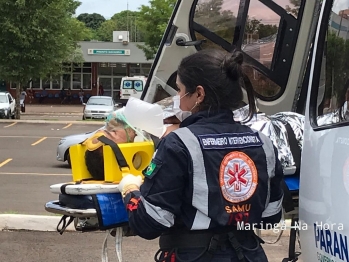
(109, 51)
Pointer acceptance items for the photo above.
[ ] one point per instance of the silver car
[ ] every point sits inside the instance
(7, 105)
(99, 107)
(66, 142)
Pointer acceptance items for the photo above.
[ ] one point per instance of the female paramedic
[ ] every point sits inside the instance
(213, 180)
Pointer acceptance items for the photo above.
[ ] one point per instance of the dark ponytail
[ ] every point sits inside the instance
(221, 75)
(233, 66)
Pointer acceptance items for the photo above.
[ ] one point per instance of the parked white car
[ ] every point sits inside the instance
(7, 105)
(66, 142)
(98, 107)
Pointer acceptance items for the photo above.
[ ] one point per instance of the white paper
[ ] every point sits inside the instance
(145, 116)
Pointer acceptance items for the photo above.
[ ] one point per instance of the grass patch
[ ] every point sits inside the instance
(10, 212)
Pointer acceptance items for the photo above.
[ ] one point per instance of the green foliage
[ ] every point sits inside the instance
(127, 21)
(267, 30)
(92, 21)
(82, 32)
(123, 21)
(221, 22)
(36, 37)
(152, 21)
(337, 66)
(105, 31)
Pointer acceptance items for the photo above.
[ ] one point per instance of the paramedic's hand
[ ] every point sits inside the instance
(130, 183)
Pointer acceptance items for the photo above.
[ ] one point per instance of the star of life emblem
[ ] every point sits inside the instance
(238, 177)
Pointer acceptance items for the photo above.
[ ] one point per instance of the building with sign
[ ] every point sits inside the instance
(339, 23)
(106, 62)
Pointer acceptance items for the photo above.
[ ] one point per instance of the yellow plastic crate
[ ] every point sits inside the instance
(138, 156)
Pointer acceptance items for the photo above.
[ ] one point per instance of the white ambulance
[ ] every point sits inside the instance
(131, 86)
(299, 53)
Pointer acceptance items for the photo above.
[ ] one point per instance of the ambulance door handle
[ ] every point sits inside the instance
(182, 42)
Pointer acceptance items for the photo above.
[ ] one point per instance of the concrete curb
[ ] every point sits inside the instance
(31, 223)
(53, 114)
(49, 223)
(101, 123)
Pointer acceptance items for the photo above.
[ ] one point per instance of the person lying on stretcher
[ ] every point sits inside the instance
(115, 130)
(119, 131)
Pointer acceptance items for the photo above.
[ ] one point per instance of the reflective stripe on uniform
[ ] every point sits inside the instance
(273, 208)
(160, 215)
(269, 154)
(200, 186)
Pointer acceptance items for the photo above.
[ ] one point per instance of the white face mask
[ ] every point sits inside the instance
(180, 114)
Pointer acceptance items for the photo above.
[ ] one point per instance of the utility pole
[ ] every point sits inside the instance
(128, 32)
(340, 24)
(135, 39)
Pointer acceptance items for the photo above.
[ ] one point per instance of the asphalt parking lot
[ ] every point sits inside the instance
(28, 164)
(31, 147)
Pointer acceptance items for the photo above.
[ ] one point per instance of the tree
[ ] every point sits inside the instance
(337, 66)
(36, 37)
(252, 26)
(294, 8)
(123, 21)
(105, 31)
(221, 22)
(151, 21)
(267, 30)
(92, 21)
(84, 33)
(127, 21)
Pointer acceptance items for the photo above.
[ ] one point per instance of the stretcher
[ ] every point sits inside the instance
(84, 199)
(87, 188)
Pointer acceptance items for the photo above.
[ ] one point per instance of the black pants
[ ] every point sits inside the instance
(190, 247)
(227, 255)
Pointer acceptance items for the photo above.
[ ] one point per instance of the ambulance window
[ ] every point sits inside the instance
(138, 85)
(127, 84)
(208, 44)
(262, 84)
(219, 16)
(260, 33)
(330, 104)
(263, 30)
(291, 6)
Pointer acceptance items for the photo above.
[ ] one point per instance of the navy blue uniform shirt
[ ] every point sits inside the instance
(212, 173)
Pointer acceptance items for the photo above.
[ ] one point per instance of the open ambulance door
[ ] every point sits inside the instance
(324, 185)
(274, 36)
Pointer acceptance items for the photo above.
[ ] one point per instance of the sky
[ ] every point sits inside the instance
(108, 8)
(340, 5)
